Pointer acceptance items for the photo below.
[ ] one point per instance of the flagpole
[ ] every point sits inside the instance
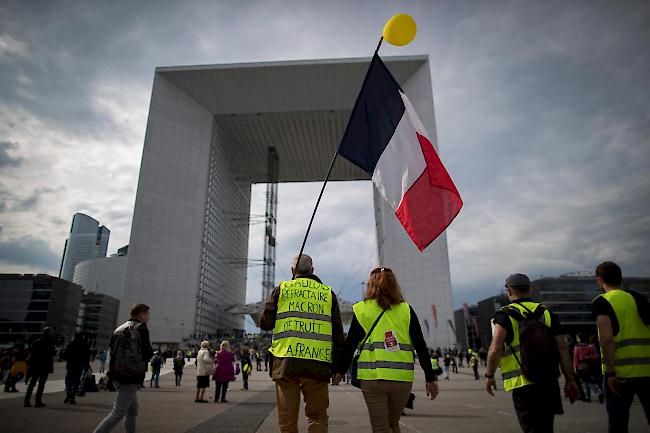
(327, 178)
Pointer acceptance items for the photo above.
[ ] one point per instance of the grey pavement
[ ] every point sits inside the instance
(462, 406)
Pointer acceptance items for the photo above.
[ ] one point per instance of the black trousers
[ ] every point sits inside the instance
(618, 406)
(41, 378)
(536, 407)
(220, 390)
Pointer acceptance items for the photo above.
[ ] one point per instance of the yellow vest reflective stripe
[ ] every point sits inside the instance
(632, 353)
(303, 323)
(388, 353)
(509, 365)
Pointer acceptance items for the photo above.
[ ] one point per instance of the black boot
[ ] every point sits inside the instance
(27, 403)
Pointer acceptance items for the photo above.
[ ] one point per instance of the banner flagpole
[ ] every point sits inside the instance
(327, 176)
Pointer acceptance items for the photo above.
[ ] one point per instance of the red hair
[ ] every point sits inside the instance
(383, 287)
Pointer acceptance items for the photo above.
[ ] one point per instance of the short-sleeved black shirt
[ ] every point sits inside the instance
(601, 307)
(501, 318)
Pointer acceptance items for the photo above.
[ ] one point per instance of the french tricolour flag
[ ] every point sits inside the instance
(386, 139)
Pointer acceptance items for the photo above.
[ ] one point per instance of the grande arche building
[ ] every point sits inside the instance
(206, 143)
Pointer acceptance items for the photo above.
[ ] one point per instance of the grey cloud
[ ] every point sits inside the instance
(541, 115)
(6, 159)
(28, 252)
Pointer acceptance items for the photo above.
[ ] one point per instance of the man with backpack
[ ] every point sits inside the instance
(130, 351)
(528, 346)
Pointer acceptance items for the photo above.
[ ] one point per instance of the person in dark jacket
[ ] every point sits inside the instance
(120, 372)
(41, 364)
(77, 360)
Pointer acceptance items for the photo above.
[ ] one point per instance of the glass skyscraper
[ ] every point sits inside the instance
(87, 240)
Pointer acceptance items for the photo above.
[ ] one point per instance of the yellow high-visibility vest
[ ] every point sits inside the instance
(509, 365)
(632, 354)
(388, 352)
(303, 323)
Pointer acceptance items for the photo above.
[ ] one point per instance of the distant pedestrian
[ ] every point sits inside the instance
(623, 321)
(156, 364)
(474, 360)
(224, 371)
(586, 364)
(246, 367)
(204, 369)
(446, 363)
(18, 369)
(528, 346)
(388, 331)
(454, 366)
(267, 359)
(179, 365)
(258, 360)
(77, 359)
(130, 350)
(102, 361)
(41, 364)
(461, 355)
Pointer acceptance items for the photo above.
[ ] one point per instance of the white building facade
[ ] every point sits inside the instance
(207, 140)
(104, 275)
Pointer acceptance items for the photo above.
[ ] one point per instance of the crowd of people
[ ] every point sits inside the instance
(309, 351)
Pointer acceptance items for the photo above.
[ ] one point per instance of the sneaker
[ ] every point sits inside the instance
(73, 401)
(41, 404)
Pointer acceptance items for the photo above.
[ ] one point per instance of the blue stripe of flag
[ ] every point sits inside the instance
(377, 111)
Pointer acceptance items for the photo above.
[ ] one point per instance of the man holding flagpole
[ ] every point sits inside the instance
(307, 338)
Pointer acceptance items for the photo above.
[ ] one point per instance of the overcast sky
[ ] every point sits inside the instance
(542, 108)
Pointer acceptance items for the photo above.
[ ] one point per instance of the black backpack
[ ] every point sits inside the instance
(538, 353)
(126, 353)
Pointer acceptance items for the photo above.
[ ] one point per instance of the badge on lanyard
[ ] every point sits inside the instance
(390, 342)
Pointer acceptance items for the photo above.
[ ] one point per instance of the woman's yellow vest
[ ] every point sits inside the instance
(388, 352)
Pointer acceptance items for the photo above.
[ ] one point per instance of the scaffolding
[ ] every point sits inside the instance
(268, 272)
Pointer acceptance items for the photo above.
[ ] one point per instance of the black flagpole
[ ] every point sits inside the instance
(327, 178)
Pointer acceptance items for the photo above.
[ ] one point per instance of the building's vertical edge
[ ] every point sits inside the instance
(423, 276)
(164, 250)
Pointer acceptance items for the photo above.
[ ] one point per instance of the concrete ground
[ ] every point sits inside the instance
(462, 406)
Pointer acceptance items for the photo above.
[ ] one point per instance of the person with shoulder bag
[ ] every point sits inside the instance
(385, 331)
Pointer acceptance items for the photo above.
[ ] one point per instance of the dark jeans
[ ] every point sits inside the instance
(618, 406)
(41, 378)
(475, 368)
(179, 376)
(536, 407)
(72, 380)
(155, 378)
(244, 378)
(221, 389)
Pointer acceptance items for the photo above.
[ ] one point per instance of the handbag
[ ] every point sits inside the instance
(354, 380)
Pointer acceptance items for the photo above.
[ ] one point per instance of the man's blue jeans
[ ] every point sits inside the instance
(155, 378)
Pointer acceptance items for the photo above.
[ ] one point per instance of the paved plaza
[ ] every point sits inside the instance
(462, 406)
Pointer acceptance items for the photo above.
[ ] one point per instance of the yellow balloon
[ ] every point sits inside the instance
(400, 29)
